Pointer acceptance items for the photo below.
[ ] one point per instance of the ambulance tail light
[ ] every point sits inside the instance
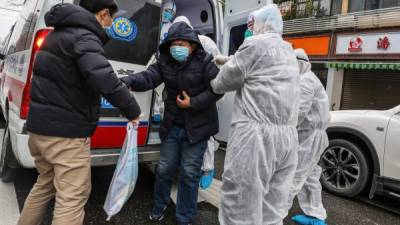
(38, 42)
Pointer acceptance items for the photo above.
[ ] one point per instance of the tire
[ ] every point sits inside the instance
(7, 173)
(345, 168)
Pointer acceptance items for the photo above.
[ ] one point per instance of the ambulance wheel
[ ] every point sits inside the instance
(7, 173)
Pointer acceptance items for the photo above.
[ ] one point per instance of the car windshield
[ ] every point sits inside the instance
(142, 42)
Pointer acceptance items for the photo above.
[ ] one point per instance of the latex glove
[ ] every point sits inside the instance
(221, 59)
(206, 179)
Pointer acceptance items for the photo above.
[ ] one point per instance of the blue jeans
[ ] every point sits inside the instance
(177, 152)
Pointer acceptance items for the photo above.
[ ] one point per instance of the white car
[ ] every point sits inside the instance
(364, 153)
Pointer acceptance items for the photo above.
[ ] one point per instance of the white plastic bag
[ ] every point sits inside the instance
(125, 175)
(208, 161)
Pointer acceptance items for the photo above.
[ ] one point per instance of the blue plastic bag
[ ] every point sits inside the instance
(125, 175)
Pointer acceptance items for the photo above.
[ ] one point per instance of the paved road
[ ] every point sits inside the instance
(341, 211)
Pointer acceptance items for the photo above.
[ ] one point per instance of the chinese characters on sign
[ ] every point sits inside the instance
(355, 44)
(383, 43)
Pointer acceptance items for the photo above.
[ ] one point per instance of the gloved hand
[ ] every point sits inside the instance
(221, 59)
(157, 118)
(206, 179)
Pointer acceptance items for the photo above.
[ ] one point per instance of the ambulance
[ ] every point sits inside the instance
(29, 33)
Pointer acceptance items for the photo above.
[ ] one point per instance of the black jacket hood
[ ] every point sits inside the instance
(69, 15)
(179, 31)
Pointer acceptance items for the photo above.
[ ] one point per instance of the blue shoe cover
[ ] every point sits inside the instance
(306, 220)
(206, 179)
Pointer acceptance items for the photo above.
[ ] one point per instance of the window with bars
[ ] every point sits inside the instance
(360, 5)
(336, 7)
(295, 9)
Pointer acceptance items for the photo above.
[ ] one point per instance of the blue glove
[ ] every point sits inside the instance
(157, 118)
(307, 220)
(206, 179)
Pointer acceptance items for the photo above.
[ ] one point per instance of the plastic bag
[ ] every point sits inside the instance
(125, 175)
(208, 161)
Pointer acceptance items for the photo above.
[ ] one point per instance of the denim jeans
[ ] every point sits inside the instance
(177, 152)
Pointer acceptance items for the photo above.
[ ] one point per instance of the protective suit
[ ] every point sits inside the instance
(168, 15)
(312, 124)
(261, 156)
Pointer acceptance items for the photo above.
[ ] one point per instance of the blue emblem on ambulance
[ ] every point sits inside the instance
(123, 29)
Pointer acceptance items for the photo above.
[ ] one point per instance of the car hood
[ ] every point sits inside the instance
(351, 112)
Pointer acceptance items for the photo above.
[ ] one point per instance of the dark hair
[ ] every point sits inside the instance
(96, 6)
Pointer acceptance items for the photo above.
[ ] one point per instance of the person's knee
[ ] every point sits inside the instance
(165, 170)
(190, 173)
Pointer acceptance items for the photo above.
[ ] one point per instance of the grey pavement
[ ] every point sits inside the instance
(340, 211)
(8, 202)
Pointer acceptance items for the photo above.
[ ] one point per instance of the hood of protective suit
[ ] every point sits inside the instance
(183, 19)
(304, 62)
(268, 20)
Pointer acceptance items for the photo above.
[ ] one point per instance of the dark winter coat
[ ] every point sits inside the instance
(70, 74)
(193, 76)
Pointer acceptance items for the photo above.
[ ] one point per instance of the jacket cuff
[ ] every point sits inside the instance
(128, 81)
(133, 111)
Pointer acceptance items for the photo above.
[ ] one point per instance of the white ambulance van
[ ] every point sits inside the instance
(29, 32)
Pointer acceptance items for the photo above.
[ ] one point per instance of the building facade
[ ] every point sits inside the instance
(354, 46)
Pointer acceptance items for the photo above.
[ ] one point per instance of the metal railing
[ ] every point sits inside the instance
(379, 18)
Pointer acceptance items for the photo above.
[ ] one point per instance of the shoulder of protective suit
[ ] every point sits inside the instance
(311, 79)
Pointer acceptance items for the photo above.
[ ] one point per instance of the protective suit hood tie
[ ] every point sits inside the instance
(304, 61)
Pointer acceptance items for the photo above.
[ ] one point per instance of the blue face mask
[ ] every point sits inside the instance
(248, 34)
(179, 53)
(168, 16)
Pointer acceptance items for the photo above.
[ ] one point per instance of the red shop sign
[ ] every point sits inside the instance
(383, 43)
(355, 44)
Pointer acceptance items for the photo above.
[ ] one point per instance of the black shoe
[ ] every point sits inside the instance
(184, 223)
(157, 218)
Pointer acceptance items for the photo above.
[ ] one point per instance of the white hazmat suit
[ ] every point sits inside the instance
(261, 156)
(312, 124)
(169, 12)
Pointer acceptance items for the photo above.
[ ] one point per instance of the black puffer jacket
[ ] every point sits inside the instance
(70, 74)
(193, 76)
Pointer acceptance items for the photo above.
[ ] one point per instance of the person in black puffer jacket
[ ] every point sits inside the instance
(190, 116)
(70, 74)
